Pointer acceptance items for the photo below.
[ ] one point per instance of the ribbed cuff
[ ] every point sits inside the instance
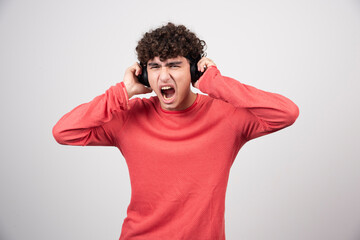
(205, 75)
(125, 94)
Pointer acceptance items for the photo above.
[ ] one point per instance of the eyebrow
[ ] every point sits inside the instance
(167, 64)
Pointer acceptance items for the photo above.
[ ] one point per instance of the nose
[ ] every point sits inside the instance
(164, 74)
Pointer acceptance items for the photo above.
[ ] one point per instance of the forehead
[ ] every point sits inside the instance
(176, 59)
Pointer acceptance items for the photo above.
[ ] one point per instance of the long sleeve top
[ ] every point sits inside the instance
(178, 161)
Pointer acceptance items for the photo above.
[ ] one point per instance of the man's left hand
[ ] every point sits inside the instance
(202, 65)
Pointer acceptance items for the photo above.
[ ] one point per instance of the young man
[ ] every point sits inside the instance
(179, 146)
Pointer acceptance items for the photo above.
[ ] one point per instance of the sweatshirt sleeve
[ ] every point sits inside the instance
(256, 112)
(92, 123)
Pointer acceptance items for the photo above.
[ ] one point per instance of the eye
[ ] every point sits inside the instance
(154, 66)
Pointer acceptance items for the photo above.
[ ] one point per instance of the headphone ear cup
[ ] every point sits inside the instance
(195, 73)
(143, 77)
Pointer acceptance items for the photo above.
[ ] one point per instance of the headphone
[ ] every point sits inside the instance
(195, 73)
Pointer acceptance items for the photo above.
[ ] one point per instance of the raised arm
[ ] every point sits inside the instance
(94, 123)
(86, 124)
(258, 112)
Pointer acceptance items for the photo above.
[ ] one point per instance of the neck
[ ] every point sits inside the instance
(186, 103)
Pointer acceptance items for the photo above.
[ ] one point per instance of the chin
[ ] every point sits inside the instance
(169, 107)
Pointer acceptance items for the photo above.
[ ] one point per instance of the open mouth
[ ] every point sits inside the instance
(168, 93)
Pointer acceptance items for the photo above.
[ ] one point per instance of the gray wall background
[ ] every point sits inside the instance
(300, 183)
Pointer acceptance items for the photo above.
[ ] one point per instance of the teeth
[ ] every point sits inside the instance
(165, 88)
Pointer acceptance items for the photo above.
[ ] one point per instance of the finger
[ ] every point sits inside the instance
(201, 64)
(204, 65)
(137, 68)
(207, 63)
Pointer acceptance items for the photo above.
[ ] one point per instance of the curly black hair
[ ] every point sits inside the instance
(170, 41)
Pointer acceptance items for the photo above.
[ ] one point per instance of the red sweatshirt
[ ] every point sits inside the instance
(179, 161)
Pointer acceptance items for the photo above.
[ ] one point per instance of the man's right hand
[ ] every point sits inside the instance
(132, 84)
